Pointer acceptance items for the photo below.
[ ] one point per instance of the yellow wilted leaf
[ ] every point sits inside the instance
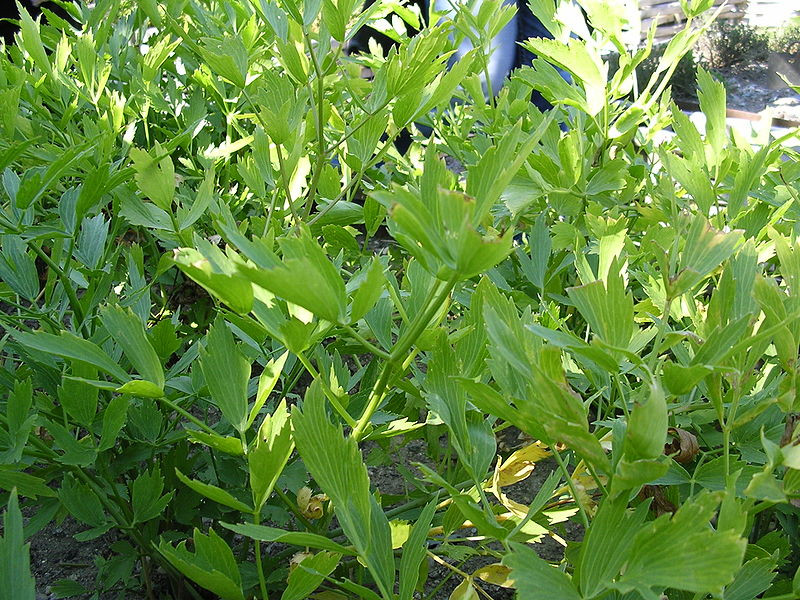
(465, 591)
(400, 531)
(310, 506)
(521, 463)
(496, 574)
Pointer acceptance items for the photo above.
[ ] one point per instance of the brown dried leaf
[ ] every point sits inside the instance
(660, 503)
(297, 558)
(683, 446)
(792, 422)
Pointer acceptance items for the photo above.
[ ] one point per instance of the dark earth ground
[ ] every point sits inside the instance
(56, 555)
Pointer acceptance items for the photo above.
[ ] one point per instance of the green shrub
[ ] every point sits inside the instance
(683, 82)
(786, 39)
(731, 43)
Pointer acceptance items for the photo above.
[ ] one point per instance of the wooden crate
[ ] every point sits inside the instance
(670, 18)
(772, 13)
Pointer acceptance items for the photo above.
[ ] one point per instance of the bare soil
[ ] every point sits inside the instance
(748, 90)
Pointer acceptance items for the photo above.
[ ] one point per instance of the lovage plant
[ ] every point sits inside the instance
(262, 353)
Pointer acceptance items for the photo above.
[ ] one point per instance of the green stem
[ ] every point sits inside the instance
(572, 488)
(353, 183)
(65, 283)
(326, 390)
(375, 398)
(294, 509)
(366, 343)
(423, 318)
(662, 330)
(285, 182)
(281, 164)
(262, 582)
(319, 114)
(187, 415)
(418, 325)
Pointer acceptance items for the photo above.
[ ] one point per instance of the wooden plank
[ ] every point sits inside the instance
(670, 18)
(672, 10)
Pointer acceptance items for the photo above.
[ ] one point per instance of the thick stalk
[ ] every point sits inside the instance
(281, 165)
(418, 325)
(366, 343)
(661, 333)
(262, 582)
(74, 303)
(572, 488)
(187, 415)
(319, 115)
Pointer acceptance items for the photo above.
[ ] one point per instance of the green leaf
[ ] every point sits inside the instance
(273, 448)
(20, 422)
(631, 474)
(16, 580)
(68, 588)
(214, 493)
(367, 294)
(145, 214)
(305, 278)
(694, 180)
(32, 40)
(205, 194)
(464, 591)
(683, 552)
(81, 502)
(78, 398)
(227, 57)
(266, 383)
(607, 309)
(227, 374)
(75, 452)
(146, 498)
(753, 578)
(307, 576)
(141, 388)
(68, 345)
(228, 286)
(295, 538)
(705, 250)
(26, 485)
(711, 94)
(226, 444)
(607, 544)
(156, 180)
(680, 380)
(560, 411)
(128, 331)
(414, 551)
(212, 564)
(485, 522)
(336, 465)
(575, 58)
(534, 266)
(535, 579)
(114, 418)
